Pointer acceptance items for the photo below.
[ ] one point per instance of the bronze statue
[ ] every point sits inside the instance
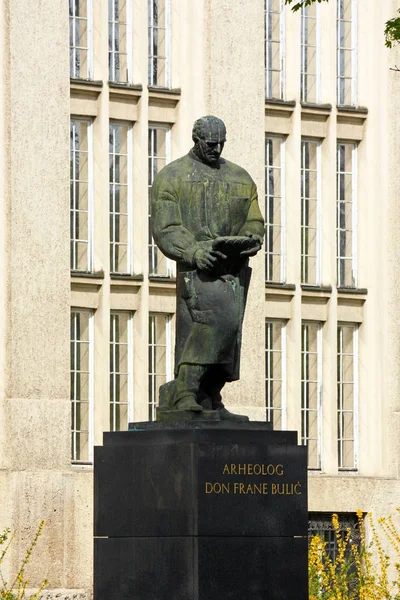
(205, 216)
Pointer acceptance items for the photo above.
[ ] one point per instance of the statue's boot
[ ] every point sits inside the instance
(187, 387)
(225, 414)
(188, 403)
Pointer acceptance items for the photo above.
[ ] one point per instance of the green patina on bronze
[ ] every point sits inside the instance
(205, 216)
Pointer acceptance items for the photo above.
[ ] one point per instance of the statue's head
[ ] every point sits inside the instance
(209, 134)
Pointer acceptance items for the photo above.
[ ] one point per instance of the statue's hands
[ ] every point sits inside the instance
(258, 242)
(205, 257)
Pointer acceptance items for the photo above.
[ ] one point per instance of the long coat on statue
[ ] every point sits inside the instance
(192, 204)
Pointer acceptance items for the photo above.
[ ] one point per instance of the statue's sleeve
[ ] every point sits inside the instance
(173, 239)
(254, 220)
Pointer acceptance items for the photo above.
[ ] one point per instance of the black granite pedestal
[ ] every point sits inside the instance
(200, 511)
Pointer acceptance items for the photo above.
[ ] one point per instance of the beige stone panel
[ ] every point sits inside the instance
(278, 307)
(83, 105)
(279, 123)
(162, 302)
(188, 70)
(39, 259)
(85, 296)
(328, 53)
(312, 310)
(347, 313)
(78, 522)
(292, 54)
(350, 131)
(140, 33)
(226, 95)
(125, 298)
(313, 128)
(38, 433)
(328, 205)
(161, 113)
(101, 204)
(329, 456)
(122, 110)
(39, 496)
(348, 492)
(293, 367)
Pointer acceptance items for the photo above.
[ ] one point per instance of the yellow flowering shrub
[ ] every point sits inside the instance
(361, 571)
(17, 589)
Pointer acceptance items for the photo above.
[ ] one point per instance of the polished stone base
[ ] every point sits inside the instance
(201, 511)
(204, 568)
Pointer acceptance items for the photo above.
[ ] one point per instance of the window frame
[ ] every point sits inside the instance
(318, 243)
(129, 45)
(283, 351)
(90, 50)
(354, 55)
(355, 354)
(89, 460)
(152, 400)
(170, 264)
(90, 249)
(129, 126)
(319, 409)
(130, 364)
(282, 54)
(282, 170)
(303, 72)
(354, 214)
(150, 57)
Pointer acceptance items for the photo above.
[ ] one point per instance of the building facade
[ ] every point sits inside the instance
(87, 304)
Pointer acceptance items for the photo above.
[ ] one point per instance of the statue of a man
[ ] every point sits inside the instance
(205, 216)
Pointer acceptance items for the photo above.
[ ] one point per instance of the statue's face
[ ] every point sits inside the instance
(209, 147)
(210, 151)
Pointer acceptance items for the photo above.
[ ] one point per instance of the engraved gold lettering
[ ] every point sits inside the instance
(296, 488)
(279, 469)
(242, 469)
(265, 488)
(257, 469)
(233, 470)
(226, 470)
(208, 487)
(241, 488)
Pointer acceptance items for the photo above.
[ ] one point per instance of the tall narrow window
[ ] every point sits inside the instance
(310, 211)
(347, 360)
(347, 52)
(159, 156)
(274, 49)
(160, 358)
(80, 39)
(275, 370)
(80, 195)
(119, 40)
(346, 216)
(159, 26)
(120, 197)
(310, 53)
(274, 208)
(81, 385)
(311, 392)
(121, 360)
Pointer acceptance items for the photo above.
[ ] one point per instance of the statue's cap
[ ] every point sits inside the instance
(209, 128)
